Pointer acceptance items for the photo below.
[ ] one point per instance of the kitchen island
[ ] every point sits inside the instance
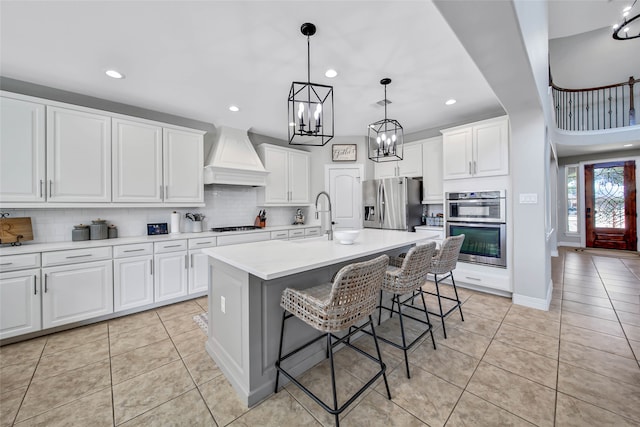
(245, 285)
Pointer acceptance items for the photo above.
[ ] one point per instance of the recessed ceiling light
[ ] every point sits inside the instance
(234, 108)
(628, 145)
(114, 74)
(451, 102)
(331, 73)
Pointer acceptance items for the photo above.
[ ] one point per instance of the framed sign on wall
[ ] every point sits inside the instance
(344, 152)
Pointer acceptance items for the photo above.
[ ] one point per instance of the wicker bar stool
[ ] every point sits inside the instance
(443, 263)
(332, 308)
(406, 275)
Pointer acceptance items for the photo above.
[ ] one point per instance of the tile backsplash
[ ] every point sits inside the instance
(226, 205)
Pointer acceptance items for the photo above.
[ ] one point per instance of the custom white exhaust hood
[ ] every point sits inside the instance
(233, 160)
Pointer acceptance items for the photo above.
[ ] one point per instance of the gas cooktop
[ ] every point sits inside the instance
(237, 228)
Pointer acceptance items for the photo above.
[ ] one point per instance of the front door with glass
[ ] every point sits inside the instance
(610, 205)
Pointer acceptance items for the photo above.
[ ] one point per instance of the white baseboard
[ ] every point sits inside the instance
(538, 303)
(569, 244)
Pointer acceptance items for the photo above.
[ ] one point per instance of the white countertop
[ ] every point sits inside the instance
(27, 247)
(278, 258)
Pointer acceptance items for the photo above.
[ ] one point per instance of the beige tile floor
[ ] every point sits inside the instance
(575, 365)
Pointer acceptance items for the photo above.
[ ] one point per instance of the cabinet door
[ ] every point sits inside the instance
(457, 154)
(137, 162)
(78, 156)
(277, 163)
(299, 177)
(411, 163)
(183, 166)
(22, 148)
(132, 282)
(385, 169)
(198, 272)
(76, 292)
(432, 170)
(491, 148)
(19, 303)
(170, 271)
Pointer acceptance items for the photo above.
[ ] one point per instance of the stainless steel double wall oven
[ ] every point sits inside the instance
(481, 216)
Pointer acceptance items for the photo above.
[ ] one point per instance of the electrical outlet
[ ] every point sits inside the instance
(222, 304)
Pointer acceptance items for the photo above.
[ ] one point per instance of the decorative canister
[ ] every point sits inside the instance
(80, 232)
(98, 229)
(113, 231)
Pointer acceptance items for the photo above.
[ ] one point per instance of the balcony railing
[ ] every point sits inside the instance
(596, 108)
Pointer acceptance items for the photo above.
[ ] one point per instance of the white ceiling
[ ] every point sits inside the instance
(196, 58)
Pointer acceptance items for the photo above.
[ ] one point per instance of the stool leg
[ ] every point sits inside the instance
(444, 330)
(404, 341)
(380, 308)
(457, 298)
(424, 304)
(333, 378)
(284, 313)
(375, 341)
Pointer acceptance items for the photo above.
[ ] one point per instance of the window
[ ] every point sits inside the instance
(572, 198)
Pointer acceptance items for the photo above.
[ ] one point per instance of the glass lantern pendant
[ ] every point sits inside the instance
(385, 138)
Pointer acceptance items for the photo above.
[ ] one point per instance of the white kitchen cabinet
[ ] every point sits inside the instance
(183, 160)
(476, 150)
(76, 292)
(288, 182)
(170, 264)
(78, 156)
(137, 162)
(432, 189)
(199, 264)
(22, 150)
(20, 302)
(132, 276)
(409, 166)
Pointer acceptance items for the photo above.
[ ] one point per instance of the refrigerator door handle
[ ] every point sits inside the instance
(383, 207)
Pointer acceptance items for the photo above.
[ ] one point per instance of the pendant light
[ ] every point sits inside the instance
(310, 106)
(385, 137)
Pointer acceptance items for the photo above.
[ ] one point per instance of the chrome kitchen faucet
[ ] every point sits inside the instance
(330, 230)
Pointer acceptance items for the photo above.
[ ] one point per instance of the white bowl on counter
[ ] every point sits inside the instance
(346, 237)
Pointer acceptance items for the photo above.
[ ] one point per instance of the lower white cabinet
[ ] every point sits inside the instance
(20, 298)
(132, 282)
(170, 271)
(76, 292)
(198, 272)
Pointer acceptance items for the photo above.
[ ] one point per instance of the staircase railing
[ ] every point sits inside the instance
(596, 108)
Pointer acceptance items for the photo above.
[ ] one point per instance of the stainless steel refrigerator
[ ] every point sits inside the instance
(392, 203)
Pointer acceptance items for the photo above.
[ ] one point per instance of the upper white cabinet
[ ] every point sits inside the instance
(78, 156)
(410, 165)
(476, 150)
(137, 162)
(183, 166)
(22, 151)
(288, 182)
(432, 170)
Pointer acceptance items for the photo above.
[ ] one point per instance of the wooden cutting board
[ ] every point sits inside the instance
(12, 228)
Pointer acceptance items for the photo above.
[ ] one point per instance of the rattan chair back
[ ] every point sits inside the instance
(412, 273)
(446, 259)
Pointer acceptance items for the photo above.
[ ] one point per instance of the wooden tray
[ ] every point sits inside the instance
(15, 230)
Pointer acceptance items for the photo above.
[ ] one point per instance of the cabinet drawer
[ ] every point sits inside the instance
(243, 238)
(75, 256)
(279, 235)
(293, 234)
(19, 262)
(315, 231)
(138, 249)
(171, 246)
(202, 242)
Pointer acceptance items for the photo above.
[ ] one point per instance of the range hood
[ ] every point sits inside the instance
(233, 160)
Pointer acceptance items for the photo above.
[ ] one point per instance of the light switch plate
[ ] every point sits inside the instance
(530, 198)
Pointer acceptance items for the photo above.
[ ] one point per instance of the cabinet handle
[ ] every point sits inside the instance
(166, 191)
(134, 250)
(45, 283)
(35, 284)
(151, 267)
(78, 256)
(161, 192)
(6, 263)
(191, 260)
(470, 173)
(473, 278)
(41, 183)
(186, 261)
(475, 167)
(50, 188)
(203, 243)
(172, 246)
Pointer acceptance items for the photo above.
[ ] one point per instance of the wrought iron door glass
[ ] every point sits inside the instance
(608, 189)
